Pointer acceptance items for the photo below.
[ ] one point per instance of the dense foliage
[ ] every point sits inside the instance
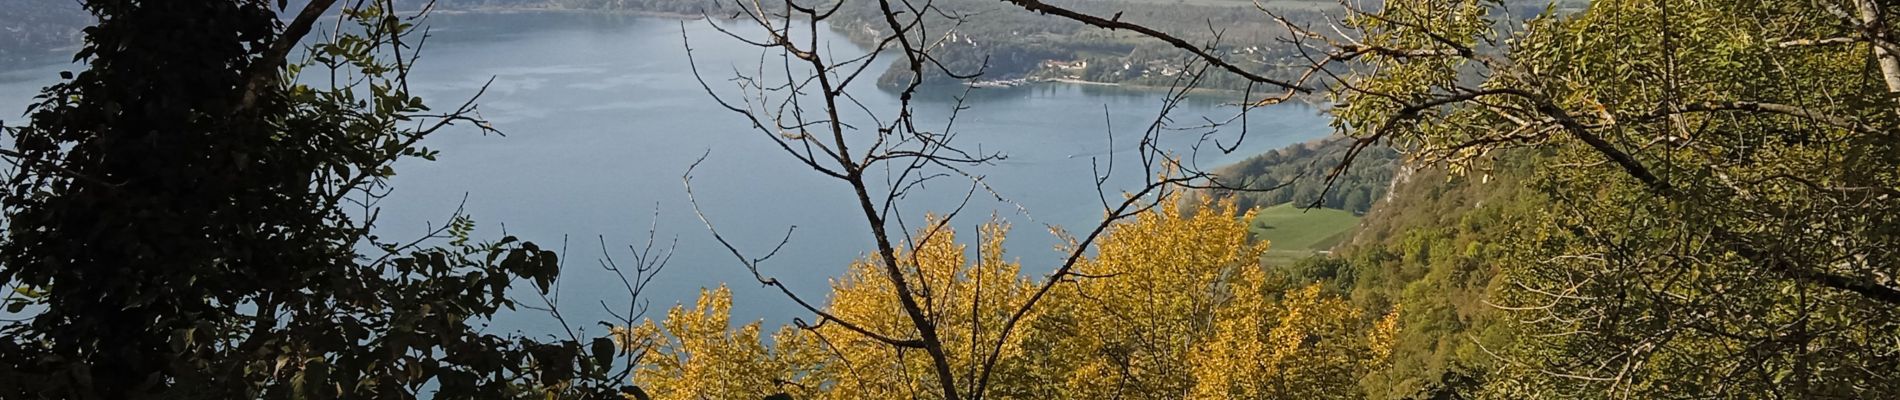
(179, 225)
(1174, 305)
(1711, 199)
(1303, 174)
(1435, 248)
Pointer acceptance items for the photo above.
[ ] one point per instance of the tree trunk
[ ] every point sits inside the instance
(1874, 26)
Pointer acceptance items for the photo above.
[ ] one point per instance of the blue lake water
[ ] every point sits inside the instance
(602, 116)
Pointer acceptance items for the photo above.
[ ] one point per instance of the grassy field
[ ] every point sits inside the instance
(1296, 233)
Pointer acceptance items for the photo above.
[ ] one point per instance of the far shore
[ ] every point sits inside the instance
(1083, 82)
(526, 10)
(1314, 100)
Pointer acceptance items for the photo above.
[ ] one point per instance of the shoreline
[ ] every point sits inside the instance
(560, 10)
(1317, 101)
(1082, 82)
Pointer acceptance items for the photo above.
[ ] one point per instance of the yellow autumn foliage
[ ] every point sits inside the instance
(968, 299)
(1142, 304)
(1307, 345)
(1174, 304)
(697, 354)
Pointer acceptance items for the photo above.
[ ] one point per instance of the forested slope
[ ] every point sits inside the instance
(1304, 174)
(1434, 248)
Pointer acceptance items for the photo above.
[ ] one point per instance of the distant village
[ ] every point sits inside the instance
(1106, 71)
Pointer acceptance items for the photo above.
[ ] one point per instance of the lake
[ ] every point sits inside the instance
(602, 116)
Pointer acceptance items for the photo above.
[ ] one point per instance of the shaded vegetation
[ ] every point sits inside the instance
(1303, 175)
(183, 222)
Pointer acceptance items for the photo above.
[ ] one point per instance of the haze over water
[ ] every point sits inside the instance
(602, 116)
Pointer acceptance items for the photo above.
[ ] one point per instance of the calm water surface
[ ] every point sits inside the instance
(602, 116)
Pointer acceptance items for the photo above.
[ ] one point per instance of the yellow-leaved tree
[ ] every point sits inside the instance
(697, 354)
(1124, 324)
(1307, 345)
(968, 299)
(697, 357)
(1174, 305)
